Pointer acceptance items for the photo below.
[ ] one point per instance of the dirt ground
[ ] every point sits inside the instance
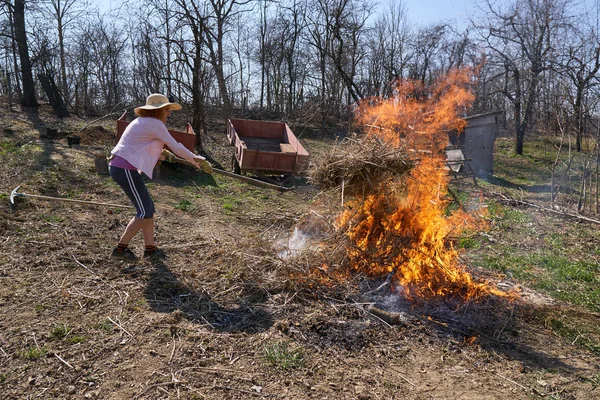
(77, 325)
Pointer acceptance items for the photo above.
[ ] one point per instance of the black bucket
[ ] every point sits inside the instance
(51, 133)
(73, 140)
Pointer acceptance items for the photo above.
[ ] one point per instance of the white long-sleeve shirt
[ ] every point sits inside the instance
(142, 143)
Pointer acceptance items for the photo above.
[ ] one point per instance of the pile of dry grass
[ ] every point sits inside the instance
(358, 161)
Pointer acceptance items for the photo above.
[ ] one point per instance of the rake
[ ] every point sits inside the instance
(14, 194)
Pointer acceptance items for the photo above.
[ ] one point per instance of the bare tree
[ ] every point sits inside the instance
(216, 23)
(191, 18)
(581, 64)
(520, 36)
(346, 19)
(394, 34)
(65, 13)
(108, 42)
(426, 46)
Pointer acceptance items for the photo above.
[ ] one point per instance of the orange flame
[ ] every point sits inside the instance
(402, 227)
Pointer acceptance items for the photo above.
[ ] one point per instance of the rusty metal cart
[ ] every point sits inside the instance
(266, 148)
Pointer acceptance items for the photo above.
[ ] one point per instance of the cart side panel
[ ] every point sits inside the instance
(302, 155)
(301, 163)
(122, 124)
(267, 161)
(241, 152)
(231, 134)
(264, 129)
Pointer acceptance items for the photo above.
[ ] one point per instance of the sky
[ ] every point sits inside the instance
(425, 12)
(419, 11)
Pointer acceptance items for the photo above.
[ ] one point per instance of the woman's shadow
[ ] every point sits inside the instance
(165, 293)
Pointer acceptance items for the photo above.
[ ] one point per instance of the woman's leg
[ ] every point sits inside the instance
(133, 185)
(146, 225)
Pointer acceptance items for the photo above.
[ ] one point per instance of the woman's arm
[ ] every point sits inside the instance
(177, 148)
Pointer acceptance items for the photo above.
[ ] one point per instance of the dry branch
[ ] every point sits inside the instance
(566, 213)
(356, 161)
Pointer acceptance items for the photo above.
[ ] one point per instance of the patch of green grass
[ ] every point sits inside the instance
(185, 206)
(53, 218)
(564, 278)
(468, 243)
(42, 307)
(74, 339)
(8, 147)
(281, 356)
(105, 325)
(594, 380)
(229, 203)
(73, 193)
(506, 217)
(512, 217)
(34, 352)
(3, 378)
(63, 332)
(457, 196)
(60, 331)
(555, 240)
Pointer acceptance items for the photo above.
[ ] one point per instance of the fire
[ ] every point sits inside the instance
(401, 226)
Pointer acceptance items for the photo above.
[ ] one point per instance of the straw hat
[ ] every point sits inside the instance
(156, 101)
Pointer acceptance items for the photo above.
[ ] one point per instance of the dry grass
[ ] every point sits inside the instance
(197, 325)
(358, 161)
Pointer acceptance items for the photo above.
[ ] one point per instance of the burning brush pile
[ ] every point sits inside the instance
(359, 163)
(396, 220)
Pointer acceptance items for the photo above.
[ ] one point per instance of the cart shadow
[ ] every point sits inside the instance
(178, 175)
(165, 293)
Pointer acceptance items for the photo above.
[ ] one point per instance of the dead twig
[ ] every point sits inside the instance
(112, 112)
(63, 361)
(119, 326)
(172, 352)
(402, 376)
(528, 389)
(566, 213)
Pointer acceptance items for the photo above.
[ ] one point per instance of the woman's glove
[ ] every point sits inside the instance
(206, 167)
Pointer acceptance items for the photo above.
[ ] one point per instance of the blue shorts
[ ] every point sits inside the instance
(133, 185)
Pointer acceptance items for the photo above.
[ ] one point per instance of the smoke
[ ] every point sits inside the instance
(294, 244)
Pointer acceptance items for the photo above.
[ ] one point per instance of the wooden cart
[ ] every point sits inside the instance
(265, 148)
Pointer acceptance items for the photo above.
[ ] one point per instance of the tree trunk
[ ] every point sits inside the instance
(198, 123)
(28, 99)
(578, 117)
(519, 130)
(63, 63)
(53, 94)
(14, 55)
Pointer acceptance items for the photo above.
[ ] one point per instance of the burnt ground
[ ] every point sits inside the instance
(75, 324)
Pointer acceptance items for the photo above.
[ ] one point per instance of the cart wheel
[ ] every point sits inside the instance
(235, 166)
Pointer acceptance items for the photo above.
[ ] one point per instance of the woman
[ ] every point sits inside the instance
(137, 152)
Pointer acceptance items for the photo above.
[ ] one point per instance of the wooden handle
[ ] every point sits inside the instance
(73, 200)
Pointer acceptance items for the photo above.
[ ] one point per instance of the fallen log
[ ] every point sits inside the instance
(389, 317)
